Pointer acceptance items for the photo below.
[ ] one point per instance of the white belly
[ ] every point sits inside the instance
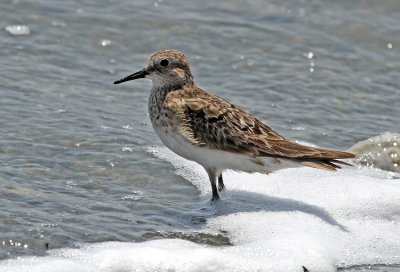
(221, 159)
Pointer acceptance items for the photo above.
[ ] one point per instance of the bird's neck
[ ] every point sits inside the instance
(157, 96)
(161, 90)
(158, 93)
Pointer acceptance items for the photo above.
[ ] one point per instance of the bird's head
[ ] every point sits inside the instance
(166, 68)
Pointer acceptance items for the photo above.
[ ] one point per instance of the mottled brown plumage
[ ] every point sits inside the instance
(192, 121)
(212, 122)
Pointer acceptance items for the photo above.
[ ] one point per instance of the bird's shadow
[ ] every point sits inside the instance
(237, 201)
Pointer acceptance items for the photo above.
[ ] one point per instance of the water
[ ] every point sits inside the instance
(80, 164)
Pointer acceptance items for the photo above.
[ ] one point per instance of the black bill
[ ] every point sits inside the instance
(140, 74)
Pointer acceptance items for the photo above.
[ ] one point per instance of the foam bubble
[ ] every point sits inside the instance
(349, 217)
(18, 29)
(382, 151)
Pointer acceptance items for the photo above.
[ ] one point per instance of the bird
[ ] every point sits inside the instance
(217, 134)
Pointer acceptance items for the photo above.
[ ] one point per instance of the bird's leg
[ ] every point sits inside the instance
(213, 179)
(221, 185)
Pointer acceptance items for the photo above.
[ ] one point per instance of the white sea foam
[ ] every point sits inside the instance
(280, 222)
(18, 29)
(382, 151)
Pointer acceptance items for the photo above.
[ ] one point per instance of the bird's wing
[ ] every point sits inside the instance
(210, 121)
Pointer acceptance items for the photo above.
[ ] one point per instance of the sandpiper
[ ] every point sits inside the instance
(215, 133)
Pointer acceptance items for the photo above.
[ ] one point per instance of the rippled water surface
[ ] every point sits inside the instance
(76, 165)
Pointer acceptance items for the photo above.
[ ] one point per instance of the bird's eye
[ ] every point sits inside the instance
(164, 62)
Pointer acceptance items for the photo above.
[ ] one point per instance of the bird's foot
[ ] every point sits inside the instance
(215, 197)
(221, 185)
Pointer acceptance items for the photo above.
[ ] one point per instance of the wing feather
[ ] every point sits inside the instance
(210, 121)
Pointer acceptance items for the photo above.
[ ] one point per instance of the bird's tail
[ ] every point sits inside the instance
(325, 164)
(328, 159)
